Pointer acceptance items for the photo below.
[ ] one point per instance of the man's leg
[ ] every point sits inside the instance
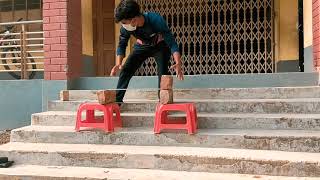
(162, 56)
(133, 62)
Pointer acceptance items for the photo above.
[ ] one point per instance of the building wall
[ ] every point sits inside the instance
(87, 32)
(308, 47)
(287, 44)
(287, 39)
(316, 34)
(87, 38)
(22, 98)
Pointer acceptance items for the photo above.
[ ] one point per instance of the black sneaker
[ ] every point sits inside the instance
(120, 103)
(7, 164)
(3, 160)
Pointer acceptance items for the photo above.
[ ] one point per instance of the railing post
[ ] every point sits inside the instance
(21, 54)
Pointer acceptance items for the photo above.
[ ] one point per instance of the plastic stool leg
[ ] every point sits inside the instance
(195, 121)
(108, 119)
(189, 124)
(118, 116)
(157, 120)
(90, 116)
(78, 121)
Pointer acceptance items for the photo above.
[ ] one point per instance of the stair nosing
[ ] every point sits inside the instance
(244, 154)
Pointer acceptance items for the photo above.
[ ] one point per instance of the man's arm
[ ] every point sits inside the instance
(161, 26)
(121, 50)
(122, 46)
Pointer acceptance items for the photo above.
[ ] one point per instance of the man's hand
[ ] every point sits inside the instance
(177, 66)
(118, 65)
(178, 70)
(115, 70)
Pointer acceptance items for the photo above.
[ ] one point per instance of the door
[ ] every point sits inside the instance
(104, 36)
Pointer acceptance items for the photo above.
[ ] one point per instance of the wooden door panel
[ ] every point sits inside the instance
(104, 36)
(109, 60)
(108, 33)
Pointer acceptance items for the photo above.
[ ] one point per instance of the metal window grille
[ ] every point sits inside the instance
(218, 36)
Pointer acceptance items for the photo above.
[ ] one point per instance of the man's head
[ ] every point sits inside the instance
(128, 13)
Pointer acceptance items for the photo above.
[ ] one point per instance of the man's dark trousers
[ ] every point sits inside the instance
(161, 53)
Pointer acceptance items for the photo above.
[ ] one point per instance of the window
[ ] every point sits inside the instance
(12, 10)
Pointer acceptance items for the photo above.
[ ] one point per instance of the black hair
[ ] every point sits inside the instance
(127, 9)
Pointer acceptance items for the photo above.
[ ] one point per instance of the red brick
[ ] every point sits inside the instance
(47, 48)
(60, 42)
(106, 97)
(63, 26)
(63, 12)
(46, 34)
(52, 40)
(64, 40)
(58, 75)
(52, 68)
(50, 1)
(46, 6)
(166, 82)
(316, 33)
(52, 54)
(46, 20)
(64, 54)
(47, 62)
(166, 96)
(63, 68)
(47, 75)
(58, 33)
(58, 5)
(59, 47)
(59, 61)
(51, 13)
(64, 95)
(51, 26)
(58, 19)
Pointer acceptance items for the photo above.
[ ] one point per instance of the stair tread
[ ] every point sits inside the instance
(201, 132)
(200, 114)
(239, 154)
(124, 174)
(207, 100)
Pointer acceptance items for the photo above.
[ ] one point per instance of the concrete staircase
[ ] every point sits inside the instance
(244, 134)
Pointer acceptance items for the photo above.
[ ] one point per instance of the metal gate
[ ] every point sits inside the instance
(218, 36)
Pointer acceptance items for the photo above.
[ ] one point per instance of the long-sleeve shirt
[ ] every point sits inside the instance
(154, 25)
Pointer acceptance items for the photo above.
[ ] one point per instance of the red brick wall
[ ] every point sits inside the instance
(316, 33)
(63, 39)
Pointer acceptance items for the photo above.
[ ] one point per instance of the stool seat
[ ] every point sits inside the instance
(163, 122)
(107, 123)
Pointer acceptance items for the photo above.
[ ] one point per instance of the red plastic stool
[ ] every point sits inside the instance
(162, 121)
(107, 123)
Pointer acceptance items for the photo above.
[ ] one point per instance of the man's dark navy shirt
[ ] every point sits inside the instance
(153, 26)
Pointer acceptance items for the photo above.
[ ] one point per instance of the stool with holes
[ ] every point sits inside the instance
(107, 123)
(162, 121)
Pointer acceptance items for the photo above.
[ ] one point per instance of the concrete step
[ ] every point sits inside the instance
(205, 120)
(214, 160)
(89, 173)
(302, 105)
(218, 93)
(280, 140)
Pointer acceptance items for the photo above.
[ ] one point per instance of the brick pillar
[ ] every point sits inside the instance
(316, 33)
(63, 39)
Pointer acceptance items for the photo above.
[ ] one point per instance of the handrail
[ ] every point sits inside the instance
(22, 22)
(21, 51)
